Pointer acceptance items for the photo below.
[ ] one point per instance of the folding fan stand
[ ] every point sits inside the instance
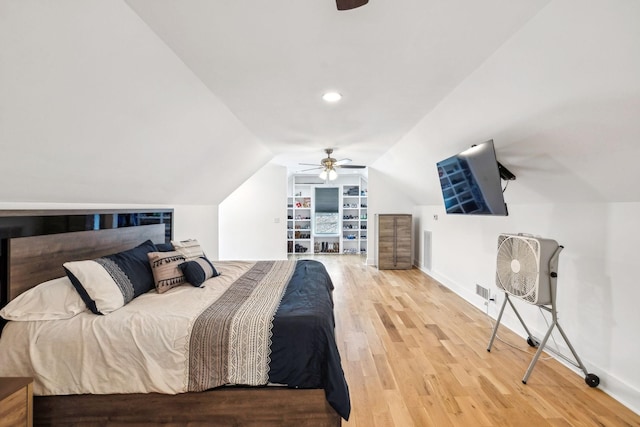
(592, 380)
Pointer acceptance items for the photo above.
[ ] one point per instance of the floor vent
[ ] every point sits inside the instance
(482, 291)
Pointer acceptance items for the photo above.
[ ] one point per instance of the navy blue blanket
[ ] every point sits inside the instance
(304, 353)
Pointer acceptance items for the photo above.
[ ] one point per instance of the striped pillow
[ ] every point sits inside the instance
(198, 270)
(166, 270)
(189, 248)
(108, 283)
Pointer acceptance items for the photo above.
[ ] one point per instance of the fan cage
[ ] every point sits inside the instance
(522, 267)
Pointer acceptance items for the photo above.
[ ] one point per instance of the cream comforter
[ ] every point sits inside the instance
(142, 347)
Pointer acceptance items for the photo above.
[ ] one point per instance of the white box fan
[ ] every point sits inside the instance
(527, 268)
(524, 267)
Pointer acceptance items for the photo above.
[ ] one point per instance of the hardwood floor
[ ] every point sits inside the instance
(414, 354)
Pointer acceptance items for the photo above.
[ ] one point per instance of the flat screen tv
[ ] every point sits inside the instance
(471, 182)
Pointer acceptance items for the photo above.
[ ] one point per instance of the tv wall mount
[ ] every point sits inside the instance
(505, 173)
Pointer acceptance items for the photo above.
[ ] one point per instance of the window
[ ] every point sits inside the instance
(327, 211)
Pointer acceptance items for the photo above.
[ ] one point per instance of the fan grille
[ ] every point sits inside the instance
(517, 270)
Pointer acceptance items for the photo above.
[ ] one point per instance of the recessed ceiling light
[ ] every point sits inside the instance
(332, 97)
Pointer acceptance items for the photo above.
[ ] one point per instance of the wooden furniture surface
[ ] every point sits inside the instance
(40, 222)
(394, 241)
(16, 402)
(265, 406)
(33, 260)
(38, 258)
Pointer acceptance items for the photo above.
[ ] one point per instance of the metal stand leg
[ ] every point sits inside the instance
(495, 328)
(538, 353)
(591, 379)
(575, 355)
(529, 335)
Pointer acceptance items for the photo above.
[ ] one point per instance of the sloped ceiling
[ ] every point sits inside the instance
(393, 61)
(163, 101)
(94, 108)
(560, 99)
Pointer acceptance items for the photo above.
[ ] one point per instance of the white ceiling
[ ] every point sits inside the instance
(180, 102)
(269, 62)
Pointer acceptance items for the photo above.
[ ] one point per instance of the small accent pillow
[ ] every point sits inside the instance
(165, 247)
(189, 248)
(166, 270)
(52, 300)
(198, 270)
(108, 283)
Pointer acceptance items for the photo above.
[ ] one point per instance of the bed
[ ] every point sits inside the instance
(291, 393)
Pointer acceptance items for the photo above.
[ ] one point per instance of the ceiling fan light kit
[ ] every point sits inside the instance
(328, 166)
(328, 174)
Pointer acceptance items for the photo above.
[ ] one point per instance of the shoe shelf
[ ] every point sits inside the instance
(351, 237)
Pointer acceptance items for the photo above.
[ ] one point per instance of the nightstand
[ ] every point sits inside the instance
(16, 402)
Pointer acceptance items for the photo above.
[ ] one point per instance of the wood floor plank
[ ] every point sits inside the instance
(415, 354)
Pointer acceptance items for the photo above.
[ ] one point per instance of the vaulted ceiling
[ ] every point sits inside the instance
(270, 62)
(180, 102)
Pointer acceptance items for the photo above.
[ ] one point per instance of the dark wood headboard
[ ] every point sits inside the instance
(33, 260)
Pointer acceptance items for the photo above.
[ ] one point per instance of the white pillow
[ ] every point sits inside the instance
(52, 300)
(190, 248)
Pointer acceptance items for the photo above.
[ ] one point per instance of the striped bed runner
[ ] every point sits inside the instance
(230, 341)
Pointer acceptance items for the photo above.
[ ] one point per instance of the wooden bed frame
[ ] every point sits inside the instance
(32, 260)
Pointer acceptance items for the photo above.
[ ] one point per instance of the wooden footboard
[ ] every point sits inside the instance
(267, 406)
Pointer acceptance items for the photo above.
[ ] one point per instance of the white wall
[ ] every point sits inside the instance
(198, 222)
(253, 219)
(561, 99)
(189, 221)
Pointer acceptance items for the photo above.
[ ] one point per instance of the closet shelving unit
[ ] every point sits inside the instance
(353, 217)
(299, 222)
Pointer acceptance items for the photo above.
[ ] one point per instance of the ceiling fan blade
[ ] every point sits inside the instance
(351, 166)
(343, 162)
(310, 169)
(350, 4)
(310, 164)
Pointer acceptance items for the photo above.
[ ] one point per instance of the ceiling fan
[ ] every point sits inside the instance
(350, 4)
(329, 166)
